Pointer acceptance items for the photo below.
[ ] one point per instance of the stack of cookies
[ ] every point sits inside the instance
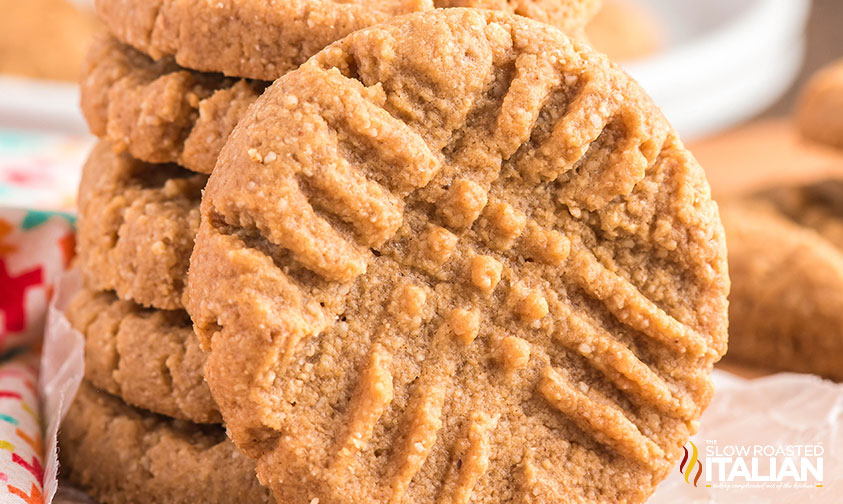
(455, 256)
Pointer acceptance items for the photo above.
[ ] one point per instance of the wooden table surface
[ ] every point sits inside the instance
(762, 154)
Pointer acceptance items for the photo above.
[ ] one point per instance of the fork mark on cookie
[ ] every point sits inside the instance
(535, 80)
(570, 138)
(373, 396)
(617, 362)
(470, 460)
(372, 133)
(597, 415)
(424, 415)
(373, 212)
(631, 307)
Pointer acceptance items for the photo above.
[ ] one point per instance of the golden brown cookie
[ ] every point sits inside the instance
(158, 111)
(149, 358)
(819, 113)
(120, 454)
(625, 30)
(786, 304)
(136, 226)
(458, 257)
(260, 39)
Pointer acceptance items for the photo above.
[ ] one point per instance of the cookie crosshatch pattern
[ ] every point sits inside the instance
(458, 256)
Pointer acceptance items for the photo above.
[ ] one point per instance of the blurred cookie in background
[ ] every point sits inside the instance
(45, 39)
(625, 30)
(819, 113)
(817, 206)
(786, 303)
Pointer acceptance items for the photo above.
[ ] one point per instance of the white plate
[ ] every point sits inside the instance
(725, 60)
(40, 104)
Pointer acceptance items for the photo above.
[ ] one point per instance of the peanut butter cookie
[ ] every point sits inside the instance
(137, 222)
(819, 113)
(786, 256)
(149, 358)
(120, 454)
(786, 301)
(262, 39)
(158, 111)
(458, 257)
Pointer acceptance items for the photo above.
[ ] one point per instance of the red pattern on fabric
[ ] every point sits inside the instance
(12, 295)
(33, 467)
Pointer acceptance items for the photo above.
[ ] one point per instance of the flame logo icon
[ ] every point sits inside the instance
(686, 467)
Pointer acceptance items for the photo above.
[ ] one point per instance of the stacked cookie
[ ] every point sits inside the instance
(455, 256)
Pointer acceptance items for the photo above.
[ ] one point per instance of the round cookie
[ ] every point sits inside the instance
(149, 358)
(458, 257)
(262, 39)
(819, 113)
(136, 226)
(120, 454)
(786, 300)
(158, 111)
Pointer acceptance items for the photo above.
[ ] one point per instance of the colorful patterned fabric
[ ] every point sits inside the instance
(21, 438)
(39, 174)
(35, 248)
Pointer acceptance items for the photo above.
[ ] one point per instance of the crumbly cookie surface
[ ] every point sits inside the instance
(786, 263)
(819, 113)
(121, 454)
(137, 222)
(157, 111)
(458, 257)
(149, 358)
(264, 39)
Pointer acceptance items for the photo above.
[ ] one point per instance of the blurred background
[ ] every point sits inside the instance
(711, 65)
